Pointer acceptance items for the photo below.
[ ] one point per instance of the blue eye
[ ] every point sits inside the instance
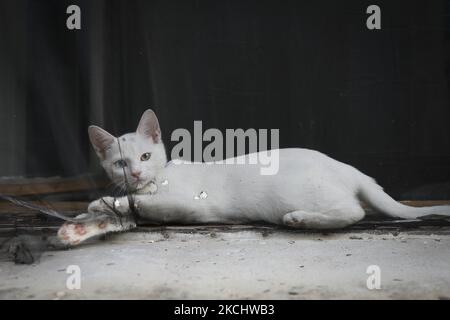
(120, 163)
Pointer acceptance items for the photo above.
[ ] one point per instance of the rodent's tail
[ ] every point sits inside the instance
(373, 194)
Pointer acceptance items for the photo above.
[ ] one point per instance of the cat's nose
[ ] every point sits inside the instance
(136, 174)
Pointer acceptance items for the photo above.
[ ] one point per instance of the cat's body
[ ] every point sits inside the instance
(237, 193)
(310, 190)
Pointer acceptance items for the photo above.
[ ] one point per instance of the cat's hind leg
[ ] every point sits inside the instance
(332, 219)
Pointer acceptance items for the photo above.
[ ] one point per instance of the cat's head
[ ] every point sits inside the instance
(140, 153)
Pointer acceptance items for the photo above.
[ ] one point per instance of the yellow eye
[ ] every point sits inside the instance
(146, 156)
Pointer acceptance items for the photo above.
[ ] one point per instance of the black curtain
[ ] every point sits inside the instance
(376, 99)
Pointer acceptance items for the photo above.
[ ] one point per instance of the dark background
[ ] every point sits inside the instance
(376, 99)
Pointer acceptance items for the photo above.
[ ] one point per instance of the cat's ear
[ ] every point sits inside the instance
(149, 126)
(101, 140)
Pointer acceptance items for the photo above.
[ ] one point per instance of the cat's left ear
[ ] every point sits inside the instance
(149, 126)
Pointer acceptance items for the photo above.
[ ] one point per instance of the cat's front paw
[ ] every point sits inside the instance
(74, 233)
(109, 204)
(101, 205)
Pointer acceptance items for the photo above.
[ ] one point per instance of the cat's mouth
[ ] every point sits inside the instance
(139, 185)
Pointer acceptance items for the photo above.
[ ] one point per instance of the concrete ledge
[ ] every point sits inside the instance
(245, 262)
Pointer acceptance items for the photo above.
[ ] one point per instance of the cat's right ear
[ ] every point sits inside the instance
(101, 140)
(149, 126)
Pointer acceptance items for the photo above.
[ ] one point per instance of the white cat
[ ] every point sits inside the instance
(310, 189)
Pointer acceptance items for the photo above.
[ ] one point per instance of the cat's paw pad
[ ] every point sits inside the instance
(71, 234)
(80, 229)
(75, 233)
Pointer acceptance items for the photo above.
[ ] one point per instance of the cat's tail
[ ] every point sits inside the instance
(373, 194)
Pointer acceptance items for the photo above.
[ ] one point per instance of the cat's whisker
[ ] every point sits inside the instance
(122, 187)
(118, 188)
(112, 183)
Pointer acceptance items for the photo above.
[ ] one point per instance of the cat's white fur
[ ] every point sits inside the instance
(310, 190)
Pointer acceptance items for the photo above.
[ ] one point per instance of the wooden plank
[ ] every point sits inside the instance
(60, 206)
(42, 186)
(426, 203)
(13, 217)
(80, 206)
